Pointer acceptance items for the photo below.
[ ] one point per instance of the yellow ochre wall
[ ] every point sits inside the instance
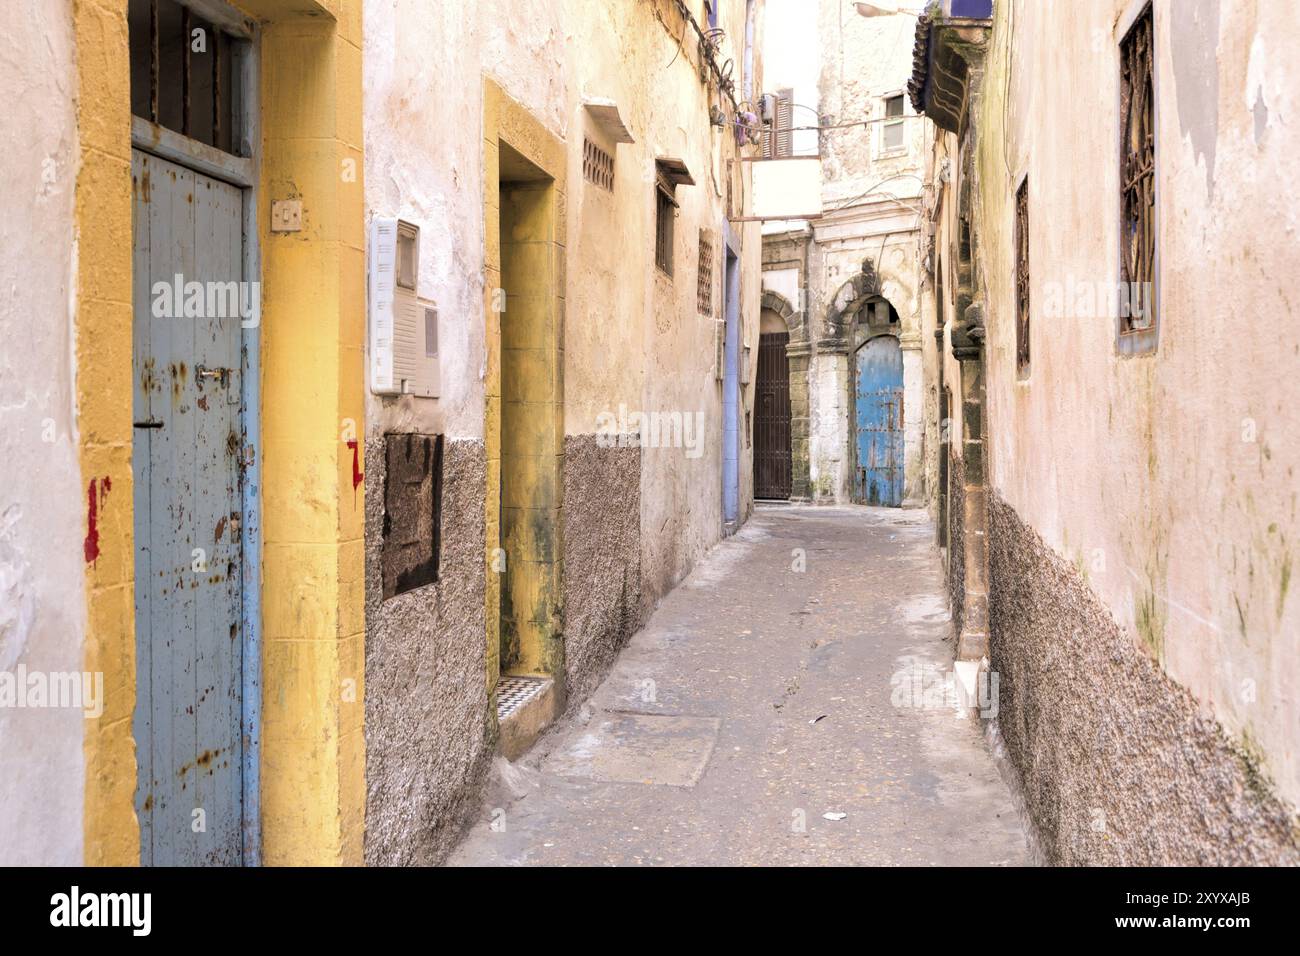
(313, 323)
(103, 407)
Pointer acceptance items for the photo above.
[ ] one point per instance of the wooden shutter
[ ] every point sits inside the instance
(784, 121)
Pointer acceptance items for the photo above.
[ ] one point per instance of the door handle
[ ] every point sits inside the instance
(150, 423)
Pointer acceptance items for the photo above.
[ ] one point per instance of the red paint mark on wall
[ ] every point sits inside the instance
(357, 476)
(96, 493)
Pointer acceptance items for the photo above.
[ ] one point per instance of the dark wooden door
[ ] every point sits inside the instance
(772, 419)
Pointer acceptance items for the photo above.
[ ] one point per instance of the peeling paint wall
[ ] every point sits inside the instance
(43, 504)
(1165, 482)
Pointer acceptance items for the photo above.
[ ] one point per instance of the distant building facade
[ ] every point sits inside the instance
(845, 286)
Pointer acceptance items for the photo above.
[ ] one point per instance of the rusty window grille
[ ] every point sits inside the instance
(184, 72)
(597, 165)
(665, 213)
(1137, 177)
(704, 293)
(1022, 276)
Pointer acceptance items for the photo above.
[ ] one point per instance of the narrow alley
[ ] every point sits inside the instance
(453, 434)
(768, 714)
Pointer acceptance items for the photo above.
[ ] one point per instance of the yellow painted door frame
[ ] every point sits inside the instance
(312, 413)
(524, 392)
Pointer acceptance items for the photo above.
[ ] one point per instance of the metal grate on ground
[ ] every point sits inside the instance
(513, 692)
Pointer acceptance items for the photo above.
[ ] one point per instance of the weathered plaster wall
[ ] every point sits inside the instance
(429, 731)
(864, 60)
(1167, 481)
(43, 503)
(682, 495)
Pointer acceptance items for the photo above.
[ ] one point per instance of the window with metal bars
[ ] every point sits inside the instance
(1022, 277)
(704, 293)
(184, 72)
(1138, 184)
(597, 165)
(665, 213)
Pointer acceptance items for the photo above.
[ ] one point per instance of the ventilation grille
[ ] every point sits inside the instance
(597, 165)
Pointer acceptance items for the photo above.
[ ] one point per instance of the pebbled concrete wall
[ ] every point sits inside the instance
(428, 738)
(602, 558)
(1119, 764)
(956, 540)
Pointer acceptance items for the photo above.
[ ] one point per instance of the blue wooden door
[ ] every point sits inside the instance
(878, 423)
(187, 231)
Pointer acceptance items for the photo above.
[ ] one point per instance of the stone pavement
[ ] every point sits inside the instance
(770, 715)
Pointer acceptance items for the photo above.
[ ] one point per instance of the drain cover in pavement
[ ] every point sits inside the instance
(639, 748)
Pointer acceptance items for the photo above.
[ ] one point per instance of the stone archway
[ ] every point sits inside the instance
(797, 352)
(841, 316)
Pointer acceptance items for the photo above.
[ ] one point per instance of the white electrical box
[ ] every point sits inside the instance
(403, 329)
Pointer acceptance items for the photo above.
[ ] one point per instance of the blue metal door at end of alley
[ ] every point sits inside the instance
(878, 423)
(188, 231)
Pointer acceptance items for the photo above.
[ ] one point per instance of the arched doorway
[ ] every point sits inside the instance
(878, 422)
(772, 459)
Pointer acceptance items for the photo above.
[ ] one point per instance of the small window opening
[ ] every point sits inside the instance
(704, 291)
(1138, 185)
(892, 135)
(1022, 277)
(184, 72)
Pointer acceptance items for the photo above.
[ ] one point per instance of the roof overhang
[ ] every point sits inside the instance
(675, 171)
(604, 113)
(951, 40)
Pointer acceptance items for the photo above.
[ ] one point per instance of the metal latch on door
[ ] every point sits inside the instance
(222, 375)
